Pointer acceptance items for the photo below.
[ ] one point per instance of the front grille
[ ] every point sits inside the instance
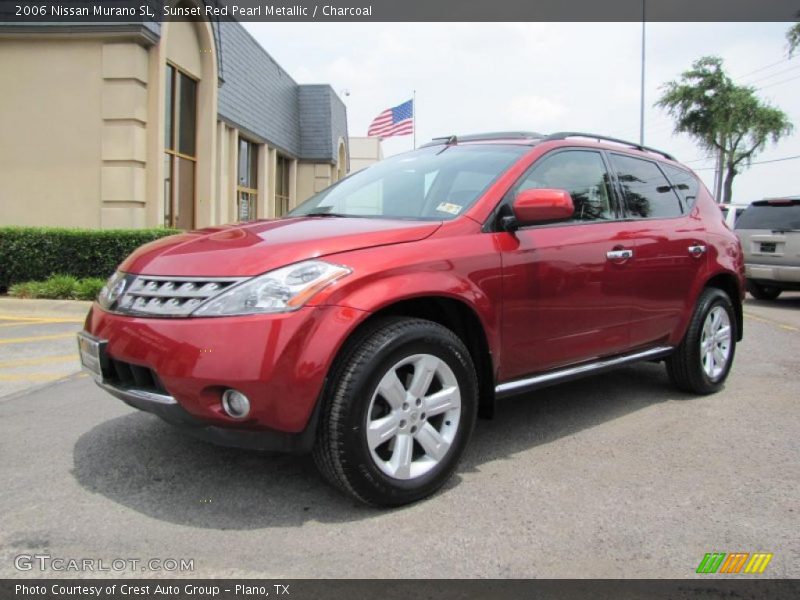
(127, 375)
(169, 296)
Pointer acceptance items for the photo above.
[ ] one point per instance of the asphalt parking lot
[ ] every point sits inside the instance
(614, 476)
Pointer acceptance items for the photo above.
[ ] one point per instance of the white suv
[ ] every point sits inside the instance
(770, 234)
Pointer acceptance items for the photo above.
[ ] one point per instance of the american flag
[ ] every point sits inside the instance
(398, 120)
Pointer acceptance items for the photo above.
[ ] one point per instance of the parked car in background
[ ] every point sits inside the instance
(732, 212)
(374, 323)
(769, 231)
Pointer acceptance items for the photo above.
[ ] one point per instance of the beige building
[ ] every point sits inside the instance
(182, 124)
(364, 151)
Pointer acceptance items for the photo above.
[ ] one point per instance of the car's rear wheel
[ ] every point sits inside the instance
(702, 361)
(763, 292)
(399, 411)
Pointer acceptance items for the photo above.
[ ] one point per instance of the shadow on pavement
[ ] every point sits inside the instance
(146, 465)
(786, 301)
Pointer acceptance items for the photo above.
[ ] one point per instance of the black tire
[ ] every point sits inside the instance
(342, 451)
(685, 366)
(763, 292)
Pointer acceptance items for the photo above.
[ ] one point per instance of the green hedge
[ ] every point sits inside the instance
(37, 253)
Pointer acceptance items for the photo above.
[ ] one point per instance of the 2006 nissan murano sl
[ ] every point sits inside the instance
(373, 323)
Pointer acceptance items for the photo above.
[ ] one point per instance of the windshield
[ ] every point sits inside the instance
(784, 217)
(436, 183)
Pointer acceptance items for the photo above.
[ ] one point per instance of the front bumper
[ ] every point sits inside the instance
(168, 409)
(279, 361)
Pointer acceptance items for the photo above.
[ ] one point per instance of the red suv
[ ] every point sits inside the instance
(377, 320)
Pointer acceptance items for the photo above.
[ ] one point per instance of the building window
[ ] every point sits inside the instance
(180, 152)
(282, 185)
(247, 187)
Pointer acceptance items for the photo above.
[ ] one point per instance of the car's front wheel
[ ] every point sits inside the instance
(701, 363)
(763, 292)
(399, 411)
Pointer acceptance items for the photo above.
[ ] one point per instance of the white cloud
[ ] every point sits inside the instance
(543, 111)
(472, 77)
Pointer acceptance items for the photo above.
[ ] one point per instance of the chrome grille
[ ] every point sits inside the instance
(169, 296)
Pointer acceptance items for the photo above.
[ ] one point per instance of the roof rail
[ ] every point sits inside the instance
(450, 140)
(562, 135)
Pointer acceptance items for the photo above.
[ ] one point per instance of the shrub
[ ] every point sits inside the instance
(87, 289)
(36, 253)
(26, 289)
(58, 286)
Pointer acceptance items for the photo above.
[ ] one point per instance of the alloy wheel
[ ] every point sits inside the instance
(715, 342)
(413, 416)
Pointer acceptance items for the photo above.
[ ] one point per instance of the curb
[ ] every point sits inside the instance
(68, 309)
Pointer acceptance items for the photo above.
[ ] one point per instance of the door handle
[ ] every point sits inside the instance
(697, 250)
(619, 254)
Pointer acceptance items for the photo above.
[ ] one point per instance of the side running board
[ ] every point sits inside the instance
(551, 377)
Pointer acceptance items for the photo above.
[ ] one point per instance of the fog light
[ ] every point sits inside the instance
(235, 404)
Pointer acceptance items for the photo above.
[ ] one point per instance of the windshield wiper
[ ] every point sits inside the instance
(325, 214)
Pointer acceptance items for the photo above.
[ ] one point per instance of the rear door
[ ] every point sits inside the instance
(669, 251)
(565, 298)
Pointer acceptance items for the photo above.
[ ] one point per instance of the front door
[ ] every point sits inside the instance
(565, 285)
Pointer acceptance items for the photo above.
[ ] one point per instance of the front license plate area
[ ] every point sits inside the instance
(92, 353)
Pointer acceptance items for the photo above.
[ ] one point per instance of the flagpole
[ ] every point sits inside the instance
(414, 115)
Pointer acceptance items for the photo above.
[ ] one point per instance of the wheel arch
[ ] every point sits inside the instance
(459, 318)
(728, 283)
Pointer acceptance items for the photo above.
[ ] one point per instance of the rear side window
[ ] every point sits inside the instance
(762, 215)
(684, 184)
(647, 192)
(580, 172)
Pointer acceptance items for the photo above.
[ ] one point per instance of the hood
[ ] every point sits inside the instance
(253, 248)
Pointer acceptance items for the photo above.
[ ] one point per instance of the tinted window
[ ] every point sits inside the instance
(771, 216)
(684, 184)
(648, 194)
(583, 174)
(437, 182)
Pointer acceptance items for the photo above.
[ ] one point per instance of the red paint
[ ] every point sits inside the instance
(534, 206)
(545, 296)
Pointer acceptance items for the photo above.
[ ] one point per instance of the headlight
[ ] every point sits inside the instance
(112, 290)
(282, 290)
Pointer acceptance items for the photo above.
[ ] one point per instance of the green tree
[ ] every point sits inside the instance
(724, 118)
(793, 35)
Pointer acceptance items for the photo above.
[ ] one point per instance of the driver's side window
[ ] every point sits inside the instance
(580, 172)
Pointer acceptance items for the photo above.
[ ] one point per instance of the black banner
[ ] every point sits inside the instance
(377, 589)
(137, 11)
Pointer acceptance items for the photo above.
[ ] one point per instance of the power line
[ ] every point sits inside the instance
(773, 75)
(694, 160)
(779, 83)
(761, 162)
(764, 68)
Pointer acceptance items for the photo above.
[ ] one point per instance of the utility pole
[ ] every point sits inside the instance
(641, 107)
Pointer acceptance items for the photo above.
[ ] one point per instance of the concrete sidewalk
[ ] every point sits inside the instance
(52, 309)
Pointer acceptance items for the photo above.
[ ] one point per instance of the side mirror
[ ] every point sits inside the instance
(534, 206)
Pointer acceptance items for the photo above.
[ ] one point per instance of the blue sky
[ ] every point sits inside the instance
(472, 77)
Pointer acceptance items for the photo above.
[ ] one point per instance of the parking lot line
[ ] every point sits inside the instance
(771, 322)
(35, 323)
(37, 320)
(26, 362)
(38, 338)
(33, 377)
